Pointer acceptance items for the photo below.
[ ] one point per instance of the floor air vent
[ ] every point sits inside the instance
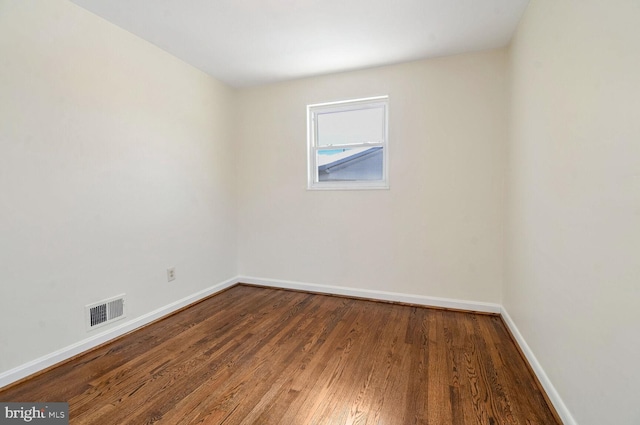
(104, 312)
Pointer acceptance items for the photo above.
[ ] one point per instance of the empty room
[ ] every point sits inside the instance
(320, 212)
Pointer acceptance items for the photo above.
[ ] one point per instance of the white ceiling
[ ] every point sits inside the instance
(250, 42)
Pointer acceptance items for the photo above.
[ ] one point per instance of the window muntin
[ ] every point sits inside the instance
(347, 144)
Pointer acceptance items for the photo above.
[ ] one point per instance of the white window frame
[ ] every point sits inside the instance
(346, 105)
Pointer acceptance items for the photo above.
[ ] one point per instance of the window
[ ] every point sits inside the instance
(347, 144)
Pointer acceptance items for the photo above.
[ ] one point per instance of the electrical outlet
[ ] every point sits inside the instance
(171, 274)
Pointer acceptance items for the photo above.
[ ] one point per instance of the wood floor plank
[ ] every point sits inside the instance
(283, 399)
(418, 338)
(252, 355)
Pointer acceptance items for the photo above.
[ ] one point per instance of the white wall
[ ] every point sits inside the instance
(573, 275)
(438, 231)
(116, 162)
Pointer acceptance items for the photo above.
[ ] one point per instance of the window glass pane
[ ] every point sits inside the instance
(357, 126)
(349, 164)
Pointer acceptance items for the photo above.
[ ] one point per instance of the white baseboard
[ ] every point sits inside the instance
(22, 371)
(65, 353)
(551, 391)
(484, 307)
(376, 295)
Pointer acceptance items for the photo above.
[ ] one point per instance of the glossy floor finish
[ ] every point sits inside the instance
(254, 355)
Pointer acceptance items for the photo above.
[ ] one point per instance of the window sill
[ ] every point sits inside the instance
(349, 186)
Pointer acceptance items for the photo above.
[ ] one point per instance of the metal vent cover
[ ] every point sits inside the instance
(105, 312)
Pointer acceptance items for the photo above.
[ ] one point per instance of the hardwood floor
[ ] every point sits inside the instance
(265, 356)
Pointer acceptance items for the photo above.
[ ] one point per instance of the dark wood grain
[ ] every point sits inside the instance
(255, 355)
